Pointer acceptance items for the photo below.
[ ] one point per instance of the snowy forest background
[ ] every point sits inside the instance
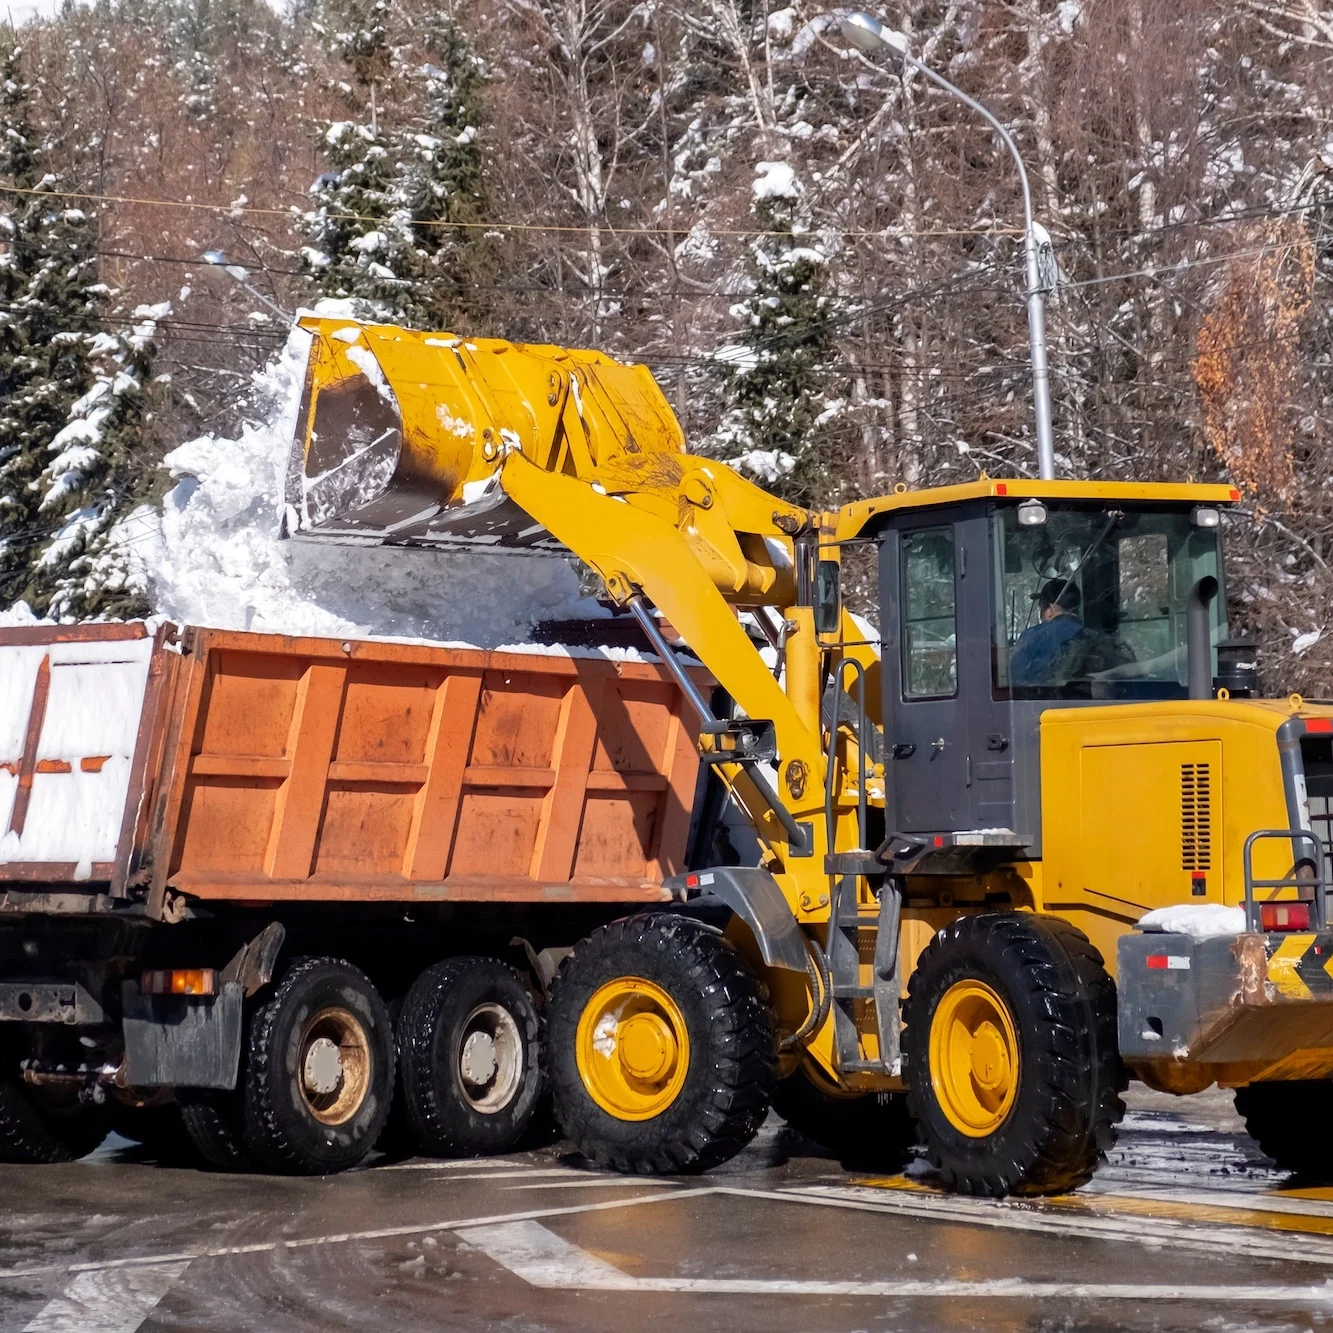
(818, 259)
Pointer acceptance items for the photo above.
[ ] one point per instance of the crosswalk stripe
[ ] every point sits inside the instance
(543, 1259)
(110, 1301)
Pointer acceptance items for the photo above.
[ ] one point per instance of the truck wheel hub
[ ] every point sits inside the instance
(334, 1073)
(974, 1058)
(323, 1067)
(490, 1058)
(632, 1048)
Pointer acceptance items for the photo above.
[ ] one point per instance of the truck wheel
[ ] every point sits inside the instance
(1010, 1054)
(212, 1123)
(661, 1047)
(469, 1042)
(47, 1124)
(317, 1072)
(1282, 1118)
(872, 1130)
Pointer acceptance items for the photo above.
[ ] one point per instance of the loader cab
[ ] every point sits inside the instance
(996, 607)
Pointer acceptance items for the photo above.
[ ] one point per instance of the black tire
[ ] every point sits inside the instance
(398, 1140)
(1066, 1099)
(38, 1125)
(157, 1127)
(324, 1021)
(723, 1088)
(1287, 1120)
(214, 1124)
(469, 1013)
(874, 1130)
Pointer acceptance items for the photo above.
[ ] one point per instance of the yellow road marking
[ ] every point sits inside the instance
(1112, 1205)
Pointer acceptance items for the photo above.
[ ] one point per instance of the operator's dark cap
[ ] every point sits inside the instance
(1059, 592)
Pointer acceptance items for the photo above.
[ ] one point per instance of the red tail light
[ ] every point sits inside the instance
(1284, 916)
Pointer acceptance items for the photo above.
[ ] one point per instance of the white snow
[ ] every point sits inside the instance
(769, 465)
(1200, 921)
(213, 555)
(1304, 642)
(88, 735)
(775, 180)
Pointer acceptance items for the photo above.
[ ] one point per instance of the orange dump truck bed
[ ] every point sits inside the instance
(268, 768)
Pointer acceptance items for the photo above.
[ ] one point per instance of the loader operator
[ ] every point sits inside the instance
(1040, 649)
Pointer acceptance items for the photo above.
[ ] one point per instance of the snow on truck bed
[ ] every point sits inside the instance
(69, 720)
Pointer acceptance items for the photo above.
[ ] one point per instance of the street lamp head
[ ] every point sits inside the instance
(871, 36)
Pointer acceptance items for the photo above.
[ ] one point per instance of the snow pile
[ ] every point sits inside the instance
(213, 556)
(775, 180)
(1200, 921)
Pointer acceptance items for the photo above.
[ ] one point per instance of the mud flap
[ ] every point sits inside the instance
(182, 1041)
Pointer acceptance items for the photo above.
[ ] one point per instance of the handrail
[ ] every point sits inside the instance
(1295, 836)
(862, 742)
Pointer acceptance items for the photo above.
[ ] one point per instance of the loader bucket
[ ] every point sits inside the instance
(401, 434)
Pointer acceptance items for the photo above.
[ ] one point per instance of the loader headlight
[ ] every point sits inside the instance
(1031, 514)
(1205, 516)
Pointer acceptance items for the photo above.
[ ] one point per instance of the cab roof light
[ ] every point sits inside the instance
(1205, 516)
(1031, 514)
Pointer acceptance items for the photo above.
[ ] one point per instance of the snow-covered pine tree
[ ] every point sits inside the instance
(50, 303)
(97, 472)
(390, 228)
(359, 237)
(444, 182)
(775, 375)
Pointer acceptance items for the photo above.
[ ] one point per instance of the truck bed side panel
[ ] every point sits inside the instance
(312, 769)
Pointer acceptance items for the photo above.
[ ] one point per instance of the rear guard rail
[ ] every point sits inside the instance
(1292, 880)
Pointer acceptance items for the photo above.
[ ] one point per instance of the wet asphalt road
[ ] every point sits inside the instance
(1185, 1228)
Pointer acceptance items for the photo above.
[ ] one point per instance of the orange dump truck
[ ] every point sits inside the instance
(297, 896)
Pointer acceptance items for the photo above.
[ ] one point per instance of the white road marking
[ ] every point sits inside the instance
(115, 1301)
(479, 1171)
(347, 1237)
(1260, 1202)
(1155, 1233)
(604, 1183)
(543, 1259)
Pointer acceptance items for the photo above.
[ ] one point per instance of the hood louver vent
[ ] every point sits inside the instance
(1196, 817)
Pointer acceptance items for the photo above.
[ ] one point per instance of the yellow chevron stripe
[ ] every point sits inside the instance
(1282, 967)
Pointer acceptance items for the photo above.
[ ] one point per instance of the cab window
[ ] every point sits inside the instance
(929, 602)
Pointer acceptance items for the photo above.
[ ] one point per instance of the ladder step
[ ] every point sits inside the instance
(841, 992)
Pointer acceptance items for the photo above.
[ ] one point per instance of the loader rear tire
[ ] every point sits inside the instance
(469, 1044)
(1288, 1120)
(37, 1126)
(874, 1131)
(661, 1047)
(1010, 1055)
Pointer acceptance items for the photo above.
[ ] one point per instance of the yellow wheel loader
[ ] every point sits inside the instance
(961, 824)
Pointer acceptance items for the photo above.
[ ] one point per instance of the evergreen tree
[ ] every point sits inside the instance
(96, 474)
(390, 228)
(50, 302)
(774, 377)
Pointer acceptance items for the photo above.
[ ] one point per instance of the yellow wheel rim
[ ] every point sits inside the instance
(632, 1049)
(974, 1058)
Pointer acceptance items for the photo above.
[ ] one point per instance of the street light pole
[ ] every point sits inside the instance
(869, 35)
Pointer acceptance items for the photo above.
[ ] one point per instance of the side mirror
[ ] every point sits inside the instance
(828, 597)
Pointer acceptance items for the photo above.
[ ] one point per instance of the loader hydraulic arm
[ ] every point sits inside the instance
(427, 439)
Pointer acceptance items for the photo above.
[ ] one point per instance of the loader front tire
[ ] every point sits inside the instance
(1287, 1121)
(1010, 1055)
(661, 1047)
(874, 1131)
(468, 1050)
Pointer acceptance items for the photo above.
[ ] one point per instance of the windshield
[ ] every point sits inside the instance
(1091, 603)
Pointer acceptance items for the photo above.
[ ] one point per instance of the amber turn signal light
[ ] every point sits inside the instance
(180, 981)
